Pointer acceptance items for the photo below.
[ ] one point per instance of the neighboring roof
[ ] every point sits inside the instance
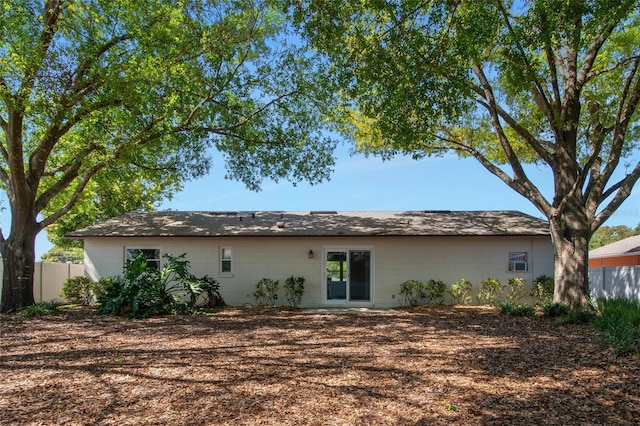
(628, 246)
(325, 223)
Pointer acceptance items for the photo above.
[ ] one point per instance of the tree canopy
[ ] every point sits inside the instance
(64, 255)
(610, 234)
(110, 105)
(552, 82)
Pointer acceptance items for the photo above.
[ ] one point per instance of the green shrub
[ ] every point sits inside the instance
(543, 290)
(516, 289)
(490, 291)
(78, 290)
(266, 292)
(620, 321)
(294, 289)
(102, 287)
(460, 292)
(114, 295)
(434, 290)
(211, 290)
(411, 292)
(515, 309)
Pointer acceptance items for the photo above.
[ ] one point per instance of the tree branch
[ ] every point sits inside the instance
(629, 100)
(80, 90)
(623, 188)
(73, 171)
(534, 143)
(491, 107)
(591, 55)
(86, 178)
(540, 92)
(51, 14)
(38, 159)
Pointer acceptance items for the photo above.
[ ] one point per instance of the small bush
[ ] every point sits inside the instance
(294, 289)
(411, 292)
(434, 290)
(211, 291)
(101, 287)
(460, 291)
(516, 310)
(490, 291)
(113, 296)
(266, 292)
(78, 290)
(515, 289)
(543, 290)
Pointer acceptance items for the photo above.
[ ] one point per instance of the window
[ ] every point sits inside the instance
(152, 254)
(225, 260)
(518, 262)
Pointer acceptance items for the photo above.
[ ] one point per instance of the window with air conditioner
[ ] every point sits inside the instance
(518, 262)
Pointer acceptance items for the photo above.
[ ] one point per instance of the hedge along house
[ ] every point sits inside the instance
(346, 258)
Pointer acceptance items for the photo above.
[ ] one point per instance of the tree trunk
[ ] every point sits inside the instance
(18, 254)
(570, 237)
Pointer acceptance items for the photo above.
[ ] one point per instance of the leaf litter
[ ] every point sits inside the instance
(429, 366)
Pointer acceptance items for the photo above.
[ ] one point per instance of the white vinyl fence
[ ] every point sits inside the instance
(620, 282)
(49, 278)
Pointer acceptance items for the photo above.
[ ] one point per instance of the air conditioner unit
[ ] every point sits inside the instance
(518, 266)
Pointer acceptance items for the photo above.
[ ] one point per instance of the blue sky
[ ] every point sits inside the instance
(361, 183)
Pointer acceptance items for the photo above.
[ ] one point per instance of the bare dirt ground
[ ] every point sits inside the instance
(461, 366)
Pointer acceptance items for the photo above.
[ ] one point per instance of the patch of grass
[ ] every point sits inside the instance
(578, 316)
(620, 321)
(564, 314)
(9, 318)
(555, 310)
(41, 309)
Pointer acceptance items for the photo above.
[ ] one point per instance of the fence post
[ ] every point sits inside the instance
(41, 275)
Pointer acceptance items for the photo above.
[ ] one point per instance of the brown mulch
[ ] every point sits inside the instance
(440, 365)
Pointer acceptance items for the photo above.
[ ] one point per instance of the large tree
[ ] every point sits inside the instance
(551, 82)
(109, 105)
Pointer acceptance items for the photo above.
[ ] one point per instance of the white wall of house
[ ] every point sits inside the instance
(394, 260)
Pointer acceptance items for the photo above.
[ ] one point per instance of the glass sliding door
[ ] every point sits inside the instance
(360, 275)
(348, 275)
(336, 275)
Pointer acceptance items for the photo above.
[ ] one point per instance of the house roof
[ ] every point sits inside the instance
(324, 223)
(628, 246)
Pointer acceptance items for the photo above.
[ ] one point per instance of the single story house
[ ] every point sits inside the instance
(347, 258)
(620, 253)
